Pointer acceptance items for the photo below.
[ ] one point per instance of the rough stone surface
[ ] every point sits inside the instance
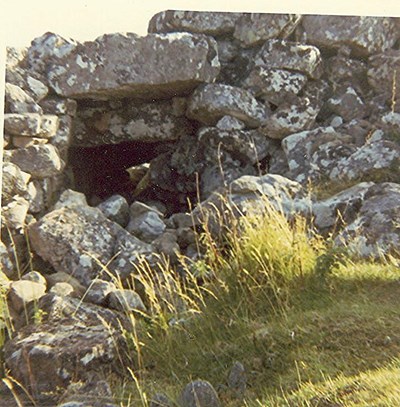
(41, 161)
(78, 240)
(160, 400)
(256, 28)
(28, 124)
(13, 215)
(211, 102)
(125, 300)
(291, 56)
(211, 23)
(291, 118)
(128, 121)
(59, 106)
(23, 292)
(116, 209)
(98, 291)
(18, 101)
(375, 230)
(274, 85)
(145, 222)
(347, 105)
(142, 67)
(199, 393)
(14, 182)
(237, 379)
(364, 35)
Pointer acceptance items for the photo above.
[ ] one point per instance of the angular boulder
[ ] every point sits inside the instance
(203, 22)
(121, 65)
(14, 182)
(364, 35)
(256, 28)
(211, 102)
(292, 56)
(18, 101)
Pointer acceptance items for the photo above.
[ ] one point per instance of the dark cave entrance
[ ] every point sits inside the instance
(100, 172)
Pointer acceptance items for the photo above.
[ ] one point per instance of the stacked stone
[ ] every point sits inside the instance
(256, 105)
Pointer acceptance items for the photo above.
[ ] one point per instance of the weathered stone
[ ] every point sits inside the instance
(211, 23)
(274, 85)
(24, 142)
(300, 149)
(199, 393)
(62, 289)
(125, 300)
(129, 121)
(375, 231)
(14, 182)
(255, 28)
(364, 35)
(62, 139)
(348, 105)
(98, 291)
(13, 214)
(49, 126)
(62, 277)
(291, 56)
(237, 379)
(23, 292)
(59, 106)
(250, 146)
(28, 124)
(70, 199)
(230, 123)
(32, 85)
(36, 277)
(79, 240)
(18, 101)
(40, 161)
(6, 265)
(375, 156)
(145, 222)
(15, 56)
(46, 49)
(290, 118)
(384, 74)
(46, 358)
(118, 65)
(116, 209)
(340, 209)
(209, 103)
(167, 245)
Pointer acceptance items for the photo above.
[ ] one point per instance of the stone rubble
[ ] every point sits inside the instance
(109, 145)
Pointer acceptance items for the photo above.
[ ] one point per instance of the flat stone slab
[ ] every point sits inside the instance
(119, 65)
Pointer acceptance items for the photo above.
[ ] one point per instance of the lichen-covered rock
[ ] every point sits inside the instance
(23, 124)
(18, 101)
(118, 65)
(230, 123)
(47, 49)
(98, 291)
(372, 157)
(49, 126)
(384, 74)
(347, 105)
(375, 231)
(15, 56)
(62, 139)
(6, 265)
(209, 103)
(340, 209)
(59, 106)
(41, 161)
(145, 222)
(274, 85)
(79, 239)
(199, 393)
(128, 121)
(60, 277)
(313, 153)
(45, 358)
(290, 118)
(256, 28)
(364, 35)
(116, 209)
(249, 146)
(210, 23)
(292, 56)
(14, 182)
(32, 85)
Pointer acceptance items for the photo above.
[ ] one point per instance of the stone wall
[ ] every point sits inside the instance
(108, 143)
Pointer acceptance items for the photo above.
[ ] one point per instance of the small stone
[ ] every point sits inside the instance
(24, 142)
(125, 300)
(116, 208)
(36, 277)
(160, 400)
(61, 277)
(15, 182)
(27, 124)
(18, 101)
(69, 199)
(49, 126)
(98, 291)
(337, 121)
(62, 289)
(23, 292)
(237, 379)
(59, 106)
(199, 393)
(14, 213)
(230, 123)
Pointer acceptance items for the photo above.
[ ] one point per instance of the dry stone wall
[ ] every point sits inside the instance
(108, 143)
